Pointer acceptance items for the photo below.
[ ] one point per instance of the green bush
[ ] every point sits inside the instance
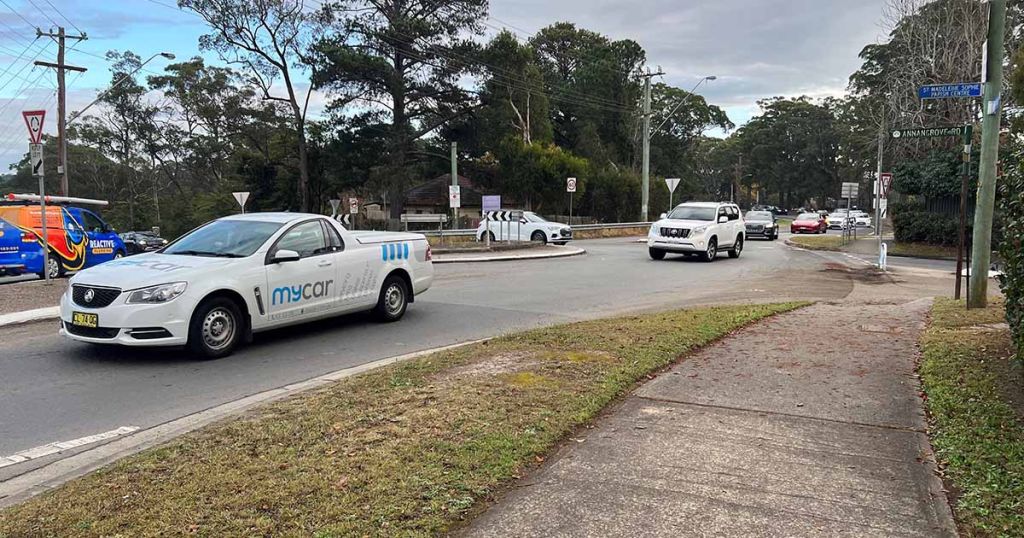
(912, 224)
(1011, 250)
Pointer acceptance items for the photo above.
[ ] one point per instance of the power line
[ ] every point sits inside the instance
(20, 16)
(45, 14)
(59, 12)
(20, 54)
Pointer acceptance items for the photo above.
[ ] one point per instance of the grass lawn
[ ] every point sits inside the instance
(817, 242)
(975, 396)
(921, 250)
(405, 450)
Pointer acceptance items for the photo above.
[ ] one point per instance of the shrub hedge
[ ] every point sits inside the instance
(913, 224)
(1011, 250)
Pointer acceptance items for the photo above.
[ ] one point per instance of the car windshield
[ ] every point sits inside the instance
(807, 216)
(224, 238)
(759, 215)
(533, 217)
(692, 213)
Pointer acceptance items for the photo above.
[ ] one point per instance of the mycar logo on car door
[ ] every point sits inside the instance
(300, 292)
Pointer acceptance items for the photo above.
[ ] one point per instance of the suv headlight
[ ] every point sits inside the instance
(157, 294)
(699, 230)
(655, 229)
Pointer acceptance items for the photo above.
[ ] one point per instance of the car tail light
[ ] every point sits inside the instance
(28, 237)
(430, 254)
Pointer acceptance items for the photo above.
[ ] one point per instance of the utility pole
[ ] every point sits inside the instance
(455, 181)
(60, 66)
(645, 193)
(991, 109)
(734, 189)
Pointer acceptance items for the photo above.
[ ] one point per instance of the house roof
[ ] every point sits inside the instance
(435, 192)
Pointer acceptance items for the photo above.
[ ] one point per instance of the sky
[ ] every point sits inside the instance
(755, 48)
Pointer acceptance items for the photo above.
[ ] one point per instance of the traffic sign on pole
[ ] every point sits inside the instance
(454, 196)
(35, 153)
(570, 184)
(241, 198)
(34, 122)
(950, 91)
(335, 204)
(353, 206)
(850, 190)
(929, 132)
(886, 181)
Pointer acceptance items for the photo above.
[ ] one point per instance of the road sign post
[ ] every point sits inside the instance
(34, 123)
(489, 203)
(671, 183)
(570, 187)
(928, 132)
(850, 191)
(241, 198)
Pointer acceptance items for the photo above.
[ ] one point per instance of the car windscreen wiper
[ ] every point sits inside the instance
(204, 253)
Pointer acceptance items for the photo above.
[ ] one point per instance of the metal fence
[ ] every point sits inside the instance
(469, 232)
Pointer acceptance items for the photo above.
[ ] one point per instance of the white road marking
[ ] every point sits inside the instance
(53, 448)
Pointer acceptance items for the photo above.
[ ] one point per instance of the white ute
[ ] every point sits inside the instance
(701, 228)
(218, 284)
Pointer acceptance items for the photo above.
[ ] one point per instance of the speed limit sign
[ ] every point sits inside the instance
(570, 185)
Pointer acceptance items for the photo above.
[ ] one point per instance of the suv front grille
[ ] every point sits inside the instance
(680, 233)
(100, 297)
(755, 227)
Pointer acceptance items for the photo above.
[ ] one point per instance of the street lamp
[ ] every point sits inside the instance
(78, 114)
(680, 103)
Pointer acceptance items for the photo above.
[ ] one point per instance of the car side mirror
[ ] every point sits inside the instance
(723, 219)
(522, 221)
(284, 256)
(663, 216)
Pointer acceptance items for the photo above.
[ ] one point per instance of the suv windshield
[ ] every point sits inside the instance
(692, 213)
(224, 238)
(758, 215)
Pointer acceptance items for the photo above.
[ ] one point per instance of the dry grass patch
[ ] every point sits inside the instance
(405, 450)
(818, 242)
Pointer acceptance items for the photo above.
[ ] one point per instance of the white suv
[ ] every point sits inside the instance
(701, 228)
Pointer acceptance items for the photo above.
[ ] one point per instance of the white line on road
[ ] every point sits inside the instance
(54, 448)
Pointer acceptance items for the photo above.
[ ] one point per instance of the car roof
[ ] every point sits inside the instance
(703, 204)
(280, 217)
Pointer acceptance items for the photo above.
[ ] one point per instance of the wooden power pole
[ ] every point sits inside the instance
(61, 67)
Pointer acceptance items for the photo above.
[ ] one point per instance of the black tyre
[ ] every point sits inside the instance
(711, 253)
(656, 253)
(216, 328)
(393, 300)
(54, 267)
(737, 248)
(539, 237)
(118, 254)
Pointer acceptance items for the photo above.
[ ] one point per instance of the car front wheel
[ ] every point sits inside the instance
(215, 329)
(712, 251)
(656, 253)
(539, 237)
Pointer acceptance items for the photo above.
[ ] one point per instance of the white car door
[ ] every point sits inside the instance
(305, 287)
(359, 270)
(726, 237)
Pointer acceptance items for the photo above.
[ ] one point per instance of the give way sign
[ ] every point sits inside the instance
(34, 122)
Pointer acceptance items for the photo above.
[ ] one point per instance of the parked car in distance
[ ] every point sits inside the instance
(838, 220)
(808, 223)
(78, 238)
(531, 227)
(139, 242)
(860, 218)
(701, 228)
(761, 224)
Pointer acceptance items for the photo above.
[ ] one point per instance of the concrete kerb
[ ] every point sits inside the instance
(563, 252)
(31, 483)
(29, 316)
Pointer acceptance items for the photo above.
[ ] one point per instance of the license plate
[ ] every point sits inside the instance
(82, 319)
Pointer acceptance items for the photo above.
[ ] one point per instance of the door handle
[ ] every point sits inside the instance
(324, 263)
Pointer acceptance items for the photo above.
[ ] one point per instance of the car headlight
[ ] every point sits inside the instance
(157, 294)
(699, 230)
(143, 243)
(655, 229)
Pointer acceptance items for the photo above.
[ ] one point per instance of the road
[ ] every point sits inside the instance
(55, 390)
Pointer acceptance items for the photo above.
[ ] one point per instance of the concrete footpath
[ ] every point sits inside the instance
(809, 424)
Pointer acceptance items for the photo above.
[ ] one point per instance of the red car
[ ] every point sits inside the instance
(808, 223)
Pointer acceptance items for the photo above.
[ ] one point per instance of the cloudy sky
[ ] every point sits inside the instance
(756, 48)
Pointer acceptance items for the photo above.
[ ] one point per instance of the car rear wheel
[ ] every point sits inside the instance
(215, 329)
(737, 248)
(712, 251)
(656, 253)
(393, 300)
(53, 267)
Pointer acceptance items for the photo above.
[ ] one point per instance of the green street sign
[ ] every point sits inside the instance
(931, 132)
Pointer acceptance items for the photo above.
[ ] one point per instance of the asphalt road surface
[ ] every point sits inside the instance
(55, 390)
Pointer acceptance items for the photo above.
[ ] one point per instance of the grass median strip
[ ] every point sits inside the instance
(976, 402)
(818, 242)
(409, 449)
